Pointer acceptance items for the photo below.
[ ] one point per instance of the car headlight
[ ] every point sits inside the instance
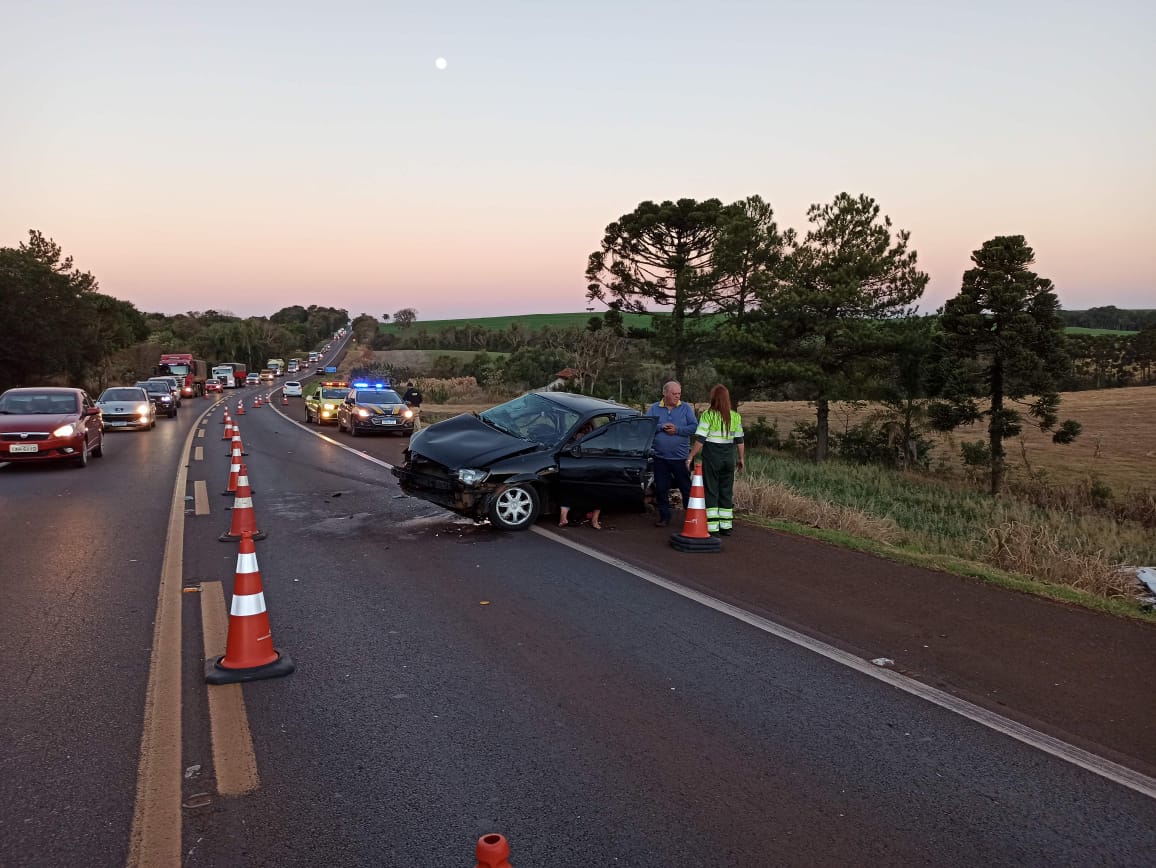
(472, 476)
(408, 413)
(328, 406)
(142, 410)
(167, 399)
(69, 430)
(363, 413)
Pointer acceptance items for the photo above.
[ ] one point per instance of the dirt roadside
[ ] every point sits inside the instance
(1078, 675)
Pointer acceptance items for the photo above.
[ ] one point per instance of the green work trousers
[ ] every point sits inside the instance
(718, 480)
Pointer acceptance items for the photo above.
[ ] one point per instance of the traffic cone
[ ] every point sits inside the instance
(493, 851)
(241, 407)
(249, 652)
(284, 400)
(257, 401)
(225, 419)
(237, 441)
(228, 435)
(695, 537)
(234, 472)
(244, 519)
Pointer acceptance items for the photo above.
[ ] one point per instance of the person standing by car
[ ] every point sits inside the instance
(676, 422)
(573, 497)
(412, 397)
(720, 439)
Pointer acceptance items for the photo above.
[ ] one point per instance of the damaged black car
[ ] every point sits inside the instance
(519, 460)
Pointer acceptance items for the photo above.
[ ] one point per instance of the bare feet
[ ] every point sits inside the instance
(596, 525)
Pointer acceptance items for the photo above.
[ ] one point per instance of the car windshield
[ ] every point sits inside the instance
(334, 394)
(155, 387)
(122, 394)
(378, 396)
(36, 403)
(532, 417)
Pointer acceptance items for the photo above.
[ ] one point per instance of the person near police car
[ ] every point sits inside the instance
(412, 397)
(720, 440)
(676, 424)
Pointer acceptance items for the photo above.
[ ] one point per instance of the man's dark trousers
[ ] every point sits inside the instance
(666, 471)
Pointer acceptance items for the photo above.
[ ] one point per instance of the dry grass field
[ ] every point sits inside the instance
(1117, 446)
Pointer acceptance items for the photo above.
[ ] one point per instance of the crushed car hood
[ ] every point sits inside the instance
(467, 441)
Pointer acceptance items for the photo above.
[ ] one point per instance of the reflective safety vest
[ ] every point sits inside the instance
(710, 428)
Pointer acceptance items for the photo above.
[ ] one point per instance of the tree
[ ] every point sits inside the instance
(405, 317)
(661, 255)
(364, 328)
(385, 317)
(822, 328)
(750, 256)
(1003, 341)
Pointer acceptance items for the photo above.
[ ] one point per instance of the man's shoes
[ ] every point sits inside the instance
(725, 531)
(662, 522)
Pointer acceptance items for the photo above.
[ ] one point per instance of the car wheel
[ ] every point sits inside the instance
(352, 427)
(515, 507)
(98, 452)
(81, 460)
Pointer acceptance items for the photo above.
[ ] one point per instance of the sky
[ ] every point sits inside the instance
(247, 156)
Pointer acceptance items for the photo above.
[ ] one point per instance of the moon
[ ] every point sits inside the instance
(440, 63)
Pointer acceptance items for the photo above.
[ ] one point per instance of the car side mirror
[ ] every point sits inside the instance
(91, 411)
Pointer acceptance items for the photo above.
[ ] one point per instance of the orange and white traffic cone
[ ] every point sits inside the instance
(226, 418)
(234, 471)
(695, 537)
(249, 652)
(237, 441)
(284, 400)
(257, 401)
(241, 407)
(228, 435)
(244, 519)
(493, 851)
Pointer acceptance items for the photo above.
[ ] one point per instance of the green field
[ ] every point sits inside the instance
(1079, 330)
(529, 322)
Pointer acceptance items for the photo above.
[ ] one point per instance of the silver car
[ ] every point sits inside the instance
(127, 407)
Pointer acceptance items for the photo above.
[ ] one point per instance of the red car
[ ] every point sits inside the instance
(50, 423)
(212, 386)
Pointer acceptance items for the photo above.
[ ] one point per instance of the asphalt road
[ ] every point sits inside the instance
(452, 681)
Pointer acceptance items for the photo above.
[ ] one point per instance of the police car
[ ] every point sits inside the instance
(321, 404)
(375, 408)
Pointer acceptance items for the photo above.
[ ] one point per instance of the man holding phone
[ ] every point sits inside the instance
(676, 424)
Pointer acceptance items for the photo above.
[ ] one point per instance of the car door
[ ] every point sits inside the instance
(611, 466)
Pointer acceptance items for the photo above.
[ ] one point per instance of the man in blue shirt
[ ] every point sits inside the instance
(676, 424)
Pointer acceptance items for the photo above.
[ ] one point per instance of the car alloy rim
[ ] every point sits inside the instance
(514, 505)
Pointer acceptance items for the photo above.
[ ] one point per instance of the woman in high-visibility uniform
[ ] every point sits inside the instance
(720, 439)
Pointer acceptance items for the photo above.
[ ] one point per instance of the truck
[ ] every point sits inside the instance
(231, 375)
(278, 366)
(191, 373)
(294, 366)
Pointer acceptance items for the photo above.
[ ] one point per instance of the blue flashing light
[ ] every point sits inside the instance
(361, 385)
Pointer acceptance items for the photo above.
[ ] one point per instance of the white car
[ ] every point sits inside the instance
(127, 407)
(291, 389)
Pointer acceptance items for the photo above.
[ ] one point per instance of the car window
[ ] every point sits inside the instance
(625, 438)
(378, 396)
(121, 394)
(532, 417)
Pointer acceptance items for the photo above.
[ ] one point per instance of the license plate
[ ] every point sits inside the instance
(24, 447)
(388, 421)
(116, 424)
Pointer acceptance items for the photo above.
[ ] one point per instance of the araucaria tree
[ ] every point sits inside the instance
(822, 327)
(661, 255)
(1003, 342)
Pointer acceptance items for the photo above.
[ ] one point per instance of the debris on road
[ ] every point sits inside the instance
(883, 661)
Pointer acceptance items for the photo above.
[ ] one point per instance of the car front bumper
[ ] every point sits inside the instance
(468, 500)
(48, 449)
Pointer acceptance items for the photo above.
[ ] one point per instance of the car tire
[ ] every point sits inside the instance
(515, 507)
(352, 426)
(98, 452)
(81, 460)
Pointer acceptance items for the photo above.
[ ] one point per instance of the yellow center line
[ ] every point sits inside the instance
(200, 498)
(156, 822)
(234, 759)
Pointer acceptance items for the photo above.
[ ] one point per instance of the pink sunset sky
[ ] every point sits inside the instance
(246, 157)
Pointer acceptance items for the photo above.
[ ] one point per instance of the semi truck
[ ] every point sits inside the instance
(231, 375)
(278, 366)
(190, 373)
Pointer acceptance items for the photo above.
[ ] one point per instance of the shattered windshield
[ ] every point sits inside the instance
(532, 417)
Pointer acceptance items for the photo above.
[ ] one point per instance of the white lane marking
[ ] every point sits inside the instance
(322, 435)
(1041, 741)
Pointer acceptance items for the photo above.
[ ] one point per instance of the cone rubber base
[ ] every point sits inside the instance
(692, 544)
(217, 674)
(228, 537)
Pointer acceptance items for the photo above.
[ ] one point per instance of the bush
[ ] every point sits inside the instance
(762, 435)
